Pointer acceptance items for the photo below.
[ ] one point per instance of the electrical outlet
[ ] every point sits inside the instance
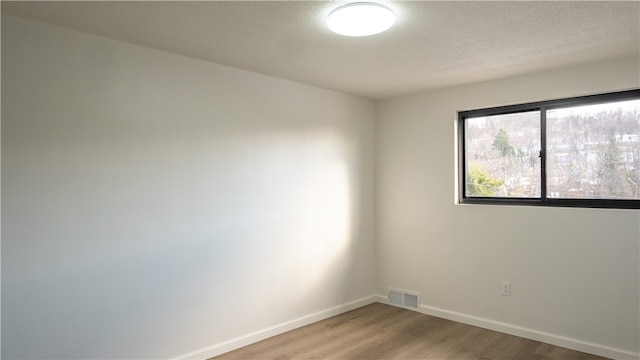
(506, 288)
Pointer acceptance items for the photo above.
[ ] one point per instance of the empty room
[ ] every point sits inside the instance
(286, 179)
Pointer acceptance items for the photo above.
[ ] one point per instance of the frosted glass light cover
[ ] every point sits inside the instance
(360, 19)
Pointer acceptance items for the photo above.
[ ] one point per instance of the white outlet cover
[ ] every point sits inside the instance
(506, 288)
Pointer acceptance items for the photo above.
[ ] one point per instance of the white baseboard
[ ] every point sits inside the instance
(558, 340)
(251, 338)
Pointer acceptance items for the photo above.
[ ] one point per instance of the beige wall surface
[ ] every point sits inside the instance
(574, 272)
(154, 204)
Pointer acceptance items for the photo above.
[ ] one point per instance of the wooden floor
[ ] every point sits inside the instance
(380, 331)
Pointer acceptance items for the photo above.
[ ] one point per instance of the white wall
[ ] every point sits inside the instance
(154, 205)
(574, 272)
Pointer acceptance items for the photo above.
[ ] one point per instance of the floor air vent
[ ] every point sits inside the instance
(404, 298)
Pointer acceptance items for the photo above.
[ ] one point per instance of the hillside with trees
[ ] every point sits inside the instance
(592, 152)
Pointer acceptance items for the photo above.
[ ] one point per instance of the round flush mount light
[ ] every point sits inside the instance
(360, 19)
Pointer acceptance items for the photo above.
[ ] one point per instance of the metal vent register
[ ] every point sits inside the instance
(403, 298)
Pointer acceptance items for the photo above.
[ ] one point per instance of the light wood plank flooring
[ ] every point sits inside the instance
(380, 331)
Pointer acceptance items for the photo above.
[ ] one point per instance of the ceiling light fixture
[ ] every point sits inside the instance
(360, 19)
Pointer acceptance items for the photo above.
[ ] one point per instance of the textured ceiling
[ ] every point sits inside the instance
(433, 44)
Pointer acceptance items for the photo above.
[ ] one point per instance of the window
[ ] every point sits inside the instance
(581, 151)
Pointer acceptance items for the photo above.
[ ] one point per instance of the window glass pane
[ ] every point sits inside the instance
(502, 155)
(593, 151)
